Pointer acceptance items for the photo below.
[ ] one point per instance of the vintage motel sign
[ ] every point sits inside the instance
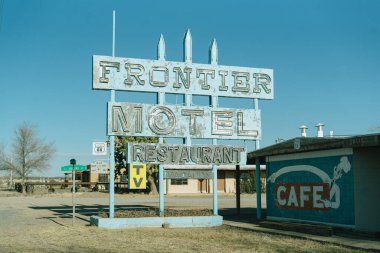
(182, 154)
(115, 73)
(137, 176)
(161, 120)
(127, 119)
(188, 78)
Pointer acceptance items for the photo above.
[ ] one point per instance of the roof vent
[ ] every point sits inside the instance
(303, 130)
(319, 127)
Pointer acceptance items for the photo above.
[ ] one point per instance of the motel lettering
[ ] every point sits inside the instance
(179, 77)
(180, 121)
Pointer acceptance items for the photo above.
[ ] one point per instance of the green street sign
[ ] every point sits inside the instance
(76, 167)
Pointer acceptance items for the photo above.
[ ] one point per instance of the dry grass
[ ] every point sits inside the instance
(221, 239)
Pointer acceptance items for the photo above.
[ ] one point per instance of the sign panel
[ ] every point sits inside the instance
(100, 167)
(312, 188)
(126, 119)
(192, 174)
(178, 77)
(76, 168)
(99, 148)
(182, 154)
(137, 176)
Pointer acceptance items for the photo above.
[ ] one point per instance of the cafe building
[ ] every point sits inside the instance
(326, 180)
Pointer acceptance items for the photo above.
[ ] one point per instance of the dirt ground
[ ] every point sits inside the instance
(43, 223)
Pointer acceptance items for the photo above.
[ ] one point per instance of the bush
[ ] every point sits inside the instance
(248, 184)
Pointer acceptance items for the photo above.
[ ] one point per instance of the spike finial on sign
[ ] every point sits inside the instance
(161, 48)
(213, 52)
(187, 47)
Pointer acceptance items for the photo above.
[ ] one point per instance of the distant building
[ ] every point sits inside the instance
(226, 179)
(325, 180)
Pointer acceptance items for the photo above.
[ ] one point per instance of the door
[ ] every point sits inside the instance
(221, 181)
(202, 185)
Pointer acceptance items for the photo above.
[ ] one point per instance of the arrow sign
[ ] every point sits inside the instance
(76, 168)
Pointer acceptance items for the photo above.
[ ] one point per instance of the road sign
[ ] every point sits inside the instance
(100, 167)
(76, 168)
(99, 148)
(137, 176)
(193, 174)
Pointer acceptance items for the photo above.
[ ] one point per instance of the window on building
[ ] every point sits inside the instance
(103, 178)
(178, 181)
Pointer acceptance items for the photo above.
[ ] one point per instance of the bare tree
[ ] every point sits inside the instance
(29, 153)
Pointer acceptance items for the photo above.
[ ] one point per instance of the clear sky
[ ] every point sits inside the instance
(325, 56)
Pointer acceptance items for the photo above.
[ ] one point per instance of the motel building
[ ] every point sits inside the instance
(226, 178)
(326, 180)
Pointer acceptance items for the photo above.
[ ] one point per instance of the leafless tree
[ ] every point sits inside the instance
(29, 153)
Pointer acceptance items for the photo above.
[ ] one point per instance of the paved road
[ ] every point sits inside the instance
(37, 209)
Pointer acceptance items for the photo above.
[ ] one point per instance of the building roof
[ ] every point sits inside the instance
(306, 144)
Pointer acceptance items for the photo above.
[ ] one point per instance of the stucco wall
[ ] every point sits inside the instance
(367, 188)
(191, 187)
(230, 182)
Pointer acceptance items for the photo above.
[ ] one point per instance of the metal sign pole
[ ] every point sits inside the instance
(188, 54)
(237, 178)
(214, 103)
(73, 163)
(258, 182)
(161, 100)
(73, 195)
(112, 140)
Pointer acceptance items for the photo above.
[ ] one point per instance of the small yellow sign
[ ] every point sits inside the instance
(137, 176)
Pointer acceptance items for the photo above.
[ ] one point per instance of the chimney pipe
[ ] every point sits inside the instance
(303, 131)
(319, 127)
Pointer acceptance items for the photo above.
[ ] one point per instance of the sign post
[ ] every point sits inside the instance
(73, 163)
(73, 168)
(112, 138)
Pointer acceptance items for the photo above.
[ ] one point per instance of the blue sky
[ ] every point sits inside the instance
(325, 56)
